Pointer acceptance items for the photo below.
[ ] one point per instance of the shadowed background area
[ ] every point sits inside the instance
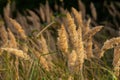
(107, 10)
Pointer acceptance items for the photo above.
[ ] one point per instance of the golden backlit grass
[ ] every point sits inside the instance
(30, 56)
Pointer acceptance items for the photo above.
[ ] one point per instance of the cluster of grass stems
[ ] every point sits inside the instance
(65, 49)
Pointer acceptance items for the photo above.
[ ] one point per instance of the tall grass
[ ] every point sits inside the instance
(65, 49)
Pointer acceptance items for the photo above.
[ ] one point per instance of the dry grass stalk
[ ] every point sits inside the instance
(116, 60)
(79, 32)
(18, 27)
(41, 12)
(17, 52)
(72, 57)
(36, 53)
(23, 21)
(7, 14)
(34, 19)
(34, 26)
(82, 8)
(13, 44)
(92, 32)
(33, 15)
(79, 21)
(7, 11)
(44, 63)
(80, 49)
(47, 65)
(116, 55)
(62, 41)
(78, 17)
(72, 31)
(86, 27)
(3, 34)
(12, 41)
(36, 43)
(44, 44)
(44, 48)
(109, 44)
(88, 48)
(47, 11)
(53, 22)
(17, 69)
(76, 40)
(93, 11)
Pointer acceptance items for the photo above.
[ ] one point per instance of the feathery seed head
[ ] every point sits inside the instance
(62, 40)
(109, 44)
(18, 27)
(17, 52)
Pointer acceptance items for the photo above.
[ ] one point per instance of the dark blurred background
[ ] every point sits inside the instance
(105, 8)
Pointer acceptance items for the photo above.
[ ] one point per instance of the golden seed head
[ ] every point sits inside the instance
(17, 52)
(18, 27)
(62, 40)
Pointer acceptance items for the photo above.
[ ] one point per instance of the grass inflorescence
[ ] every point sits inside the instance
(65, 49)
